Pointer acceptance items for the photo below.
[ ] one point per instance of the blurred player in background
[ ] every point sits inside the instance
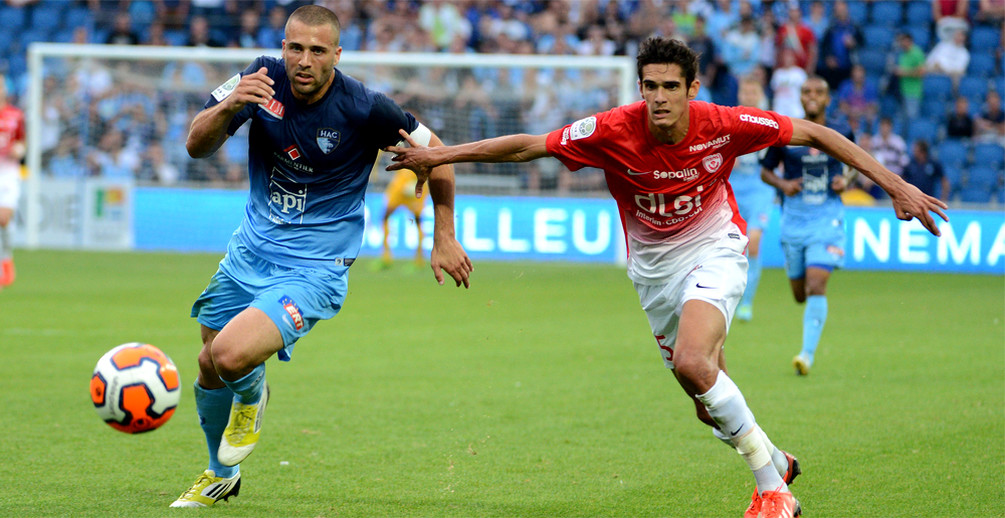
(400, 192)
(315, 134)
(812, 226)
(12, 149)
(666, 160)
(754, 199)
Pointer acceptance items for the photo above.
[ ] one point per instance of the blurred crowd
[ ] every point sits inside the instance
(918, 80)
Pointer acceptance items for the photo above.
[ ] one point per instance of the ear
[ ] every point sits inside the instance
(692, 90)
(338, 55)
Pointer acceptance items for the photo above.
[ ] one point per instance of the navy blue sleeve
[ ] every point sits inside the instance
(225, 89)
(386, 118)
(772, 157)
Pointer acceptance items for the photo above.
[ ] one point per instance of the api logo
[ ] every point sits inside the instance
(328, 139)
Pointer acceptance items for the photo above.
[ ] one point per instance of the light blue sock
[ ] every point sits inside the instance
(248, 390)
(753, 278)
(814, 318)
(213, 407)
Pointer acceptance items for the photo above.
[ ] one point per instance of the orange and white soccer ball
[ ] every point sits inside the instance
(135, 388)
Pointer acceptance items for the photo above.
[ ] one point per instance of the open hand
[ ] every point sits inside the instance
(909, 203)
(416, 158)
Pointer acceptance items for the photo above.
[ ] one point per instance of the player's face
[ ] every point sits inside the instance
(815, 96)
(666, 96)
(311, 55)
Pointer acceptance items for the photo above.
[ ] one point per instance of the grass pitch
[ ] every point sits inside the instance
(539, 392)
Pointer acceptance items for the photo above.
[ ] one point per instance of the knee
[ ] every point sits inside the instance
(695, 371)
(816, 288)
(229, 362)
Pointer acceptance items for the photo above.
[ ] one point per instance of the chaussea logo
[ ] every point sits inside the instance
(763, 121)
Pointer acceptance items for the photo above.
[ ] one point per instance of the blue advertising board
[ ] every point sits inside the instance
(575, 229)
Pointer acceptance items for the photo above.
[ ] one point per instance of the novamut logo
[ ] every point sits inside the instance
(719, 142)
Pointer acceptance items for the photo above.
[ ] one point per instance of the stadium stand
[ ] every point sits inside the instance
(534, 26)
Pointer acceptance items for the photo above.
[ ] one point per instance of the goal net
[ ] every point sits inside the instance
(103, 119)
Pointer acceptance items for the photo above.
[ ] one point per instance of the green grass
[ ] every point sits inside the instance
(538, 392)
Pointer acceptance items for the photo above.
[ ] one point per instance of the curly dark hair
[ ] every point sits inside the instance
(657, 49)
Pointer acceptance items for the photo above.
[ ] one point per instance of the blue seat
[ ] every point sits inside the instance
(982, 64)
(937, 86)
(935, 109)
(142, 12)
(922, 129)
(873, 60)
(921, 35)
(887, 13)
(918, 13)
(980, 185)
(953, 152)
(877, 36)
(858, 12)
(48, 17)
(34, 35)
(989, 154)
(11, 18)
(973, 88)
(6, 41)
(889, 106)
(78, 16)
(984, 38)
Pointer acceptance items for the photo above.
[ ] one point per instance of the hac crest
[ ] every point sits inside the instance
(328, 139)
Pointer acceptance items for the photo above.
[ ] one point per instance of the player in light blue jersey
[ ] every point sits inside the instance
(754, 199)
(315, 134)
(812, 226)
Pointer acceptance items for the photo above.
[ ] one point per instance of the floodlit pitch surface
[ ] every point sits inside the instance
(538, 392)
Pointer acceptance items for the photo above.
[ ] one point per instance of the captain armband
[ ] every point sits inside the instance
(421, 136)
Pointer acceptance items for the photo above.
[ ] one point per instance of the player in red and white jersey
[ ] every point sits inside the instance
(667, 161)
(12, 148)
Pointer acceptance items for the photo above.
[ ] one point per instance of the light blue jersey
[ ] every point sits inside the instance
(309, 166)
(754, 198)
(812, 224)
(303, 224)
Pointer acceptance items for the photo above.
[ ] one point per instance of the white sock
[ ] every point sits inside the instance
(727, 407)
(777, 457)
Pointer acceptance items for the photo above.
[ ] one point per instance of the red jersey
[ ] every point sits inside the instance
(11, 131)
(669, 194)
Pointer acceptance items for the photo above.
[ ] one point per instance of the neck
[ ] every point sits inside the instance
(672, 134)
(819, 118)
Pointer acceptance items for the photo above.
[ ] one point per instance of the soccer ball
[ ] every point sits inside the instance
(135, 388)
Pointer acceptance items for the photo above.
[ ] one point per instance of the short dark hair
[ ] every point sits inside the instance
(317, 15)
(660, 50)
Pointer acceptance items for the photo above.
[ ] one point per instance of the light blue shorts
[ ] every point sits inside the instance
(799, 256)
(294, 298)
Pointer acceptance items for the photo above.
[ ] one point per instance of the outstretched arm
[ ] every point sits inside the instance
(448, 254)
(908, 201)
(209, 127)
(508, 148)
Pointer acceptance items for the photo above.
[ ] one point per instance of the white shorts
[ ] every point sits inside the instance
(10, 188)
(717, 277)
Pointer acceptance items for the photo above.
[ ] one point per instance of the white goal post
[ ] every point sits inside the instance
(74, 92)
